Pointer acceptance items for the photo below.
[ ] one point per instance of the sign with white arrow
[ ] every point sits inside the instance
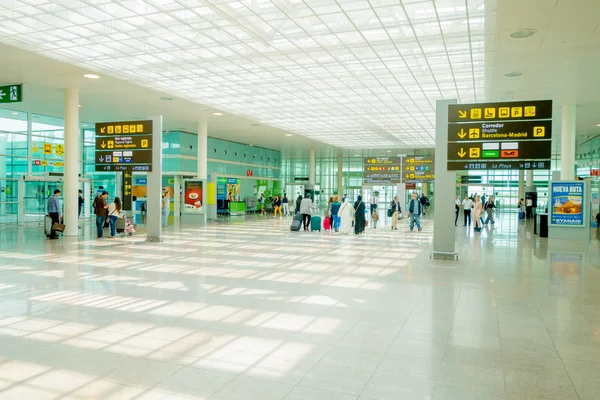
(11, 93)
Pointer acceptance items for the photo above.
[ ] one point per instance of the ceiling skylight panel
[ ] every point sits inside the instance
(421, 12)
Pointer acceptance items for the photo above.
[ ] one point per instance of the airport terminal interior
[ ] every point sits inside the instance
(299, 199)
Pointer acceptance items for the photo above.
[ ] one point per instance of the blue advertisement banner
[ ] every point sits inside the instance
(567, 204)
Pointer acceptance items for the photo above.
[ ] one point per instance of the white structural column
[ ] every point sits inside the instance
(340, 174)
(445, 188)
(71, 177)
(530, 178)
(567, 142)
(521, 184)
(202, 149)
(154, 185)
(312, 167)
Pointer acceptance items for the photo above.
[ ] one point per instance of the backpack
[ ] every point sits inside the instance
(94, 203)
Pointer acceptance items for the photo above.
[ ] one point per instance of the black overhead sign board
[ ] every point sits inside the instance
(124, 146)
(382, 170)
(124, 128)
(509, 111)
(501, 130)
(500, 135)
(124, 142)
(497, 165)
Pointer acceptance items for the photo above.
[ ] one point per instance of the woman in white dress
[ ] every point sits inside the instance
(346, 215)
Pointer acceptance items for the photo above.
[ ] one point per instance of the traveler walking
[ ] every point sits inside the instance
(467, 205)
(298, 202)
(100, 208)
(334, 210)
(286, 205)
(374, 200)
(261, 202)
(54, 212)
(375, 218)
(277, 206)
(528, 207)
(457, 205)
(359, 216)
(393, 212)
(346, 215)
(80, 202)
(114, 213)
(306, 209)
(477, 211)
(424, 203)
(415, 209)
(166, 208)
(489, 209)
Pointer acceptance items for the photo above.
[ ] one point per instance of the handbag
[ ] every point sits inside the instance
(58, 227)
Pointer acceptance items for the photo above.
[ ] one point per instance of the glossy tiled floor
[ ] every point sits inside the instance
(250, 311)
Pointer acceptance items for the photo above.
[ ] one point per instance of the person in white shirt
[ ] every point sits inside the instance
(467, 205)
(528, 208)
(373, 203)
(457, 205)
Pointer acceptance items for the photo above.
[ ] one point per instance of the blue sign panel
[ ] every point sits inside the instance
(141, 181)
(566, 199)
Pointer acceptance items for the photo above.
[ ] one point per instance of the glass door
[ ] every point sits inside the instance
(9, 201)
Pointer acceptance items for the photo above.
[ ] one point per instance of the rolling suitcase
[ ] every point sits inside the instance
(521, 214)
(315, 223)
(327, 223)
(296, 224)
(47, 225)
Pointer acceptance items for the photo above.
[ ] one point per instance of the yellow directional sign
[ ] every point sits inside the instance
(59, 149)
(35, 148)
(504, 112)
(111, 144)
(539, 131)
(474, 152)
(111, 129)
(490, 113)
(516, 112)
(476, 113)
(462, 153)
(462, 114)
(462, 133)
(474, 133)
(530, 111)
(47, 148)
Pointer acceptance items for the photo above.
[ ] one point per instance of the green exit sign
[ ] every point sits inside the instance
(11, 93)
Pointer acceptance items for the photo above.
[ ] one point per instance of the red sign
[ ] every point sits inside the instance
(249, 172)
(593, 172)
(411, 186)
(37, 162)
(509, 153)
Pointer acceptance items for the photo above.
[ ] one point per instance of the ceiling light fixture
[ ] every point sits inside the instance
(513, 74)
(288, 134)
(91, 76)
(217, 114)
(15, 113)
(166, 98)
(598, 125)
(523, 33)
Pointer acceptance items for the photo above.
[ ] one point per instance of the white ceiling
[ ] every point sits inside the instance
(111, 99)
(352, 73)
(560, 62)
